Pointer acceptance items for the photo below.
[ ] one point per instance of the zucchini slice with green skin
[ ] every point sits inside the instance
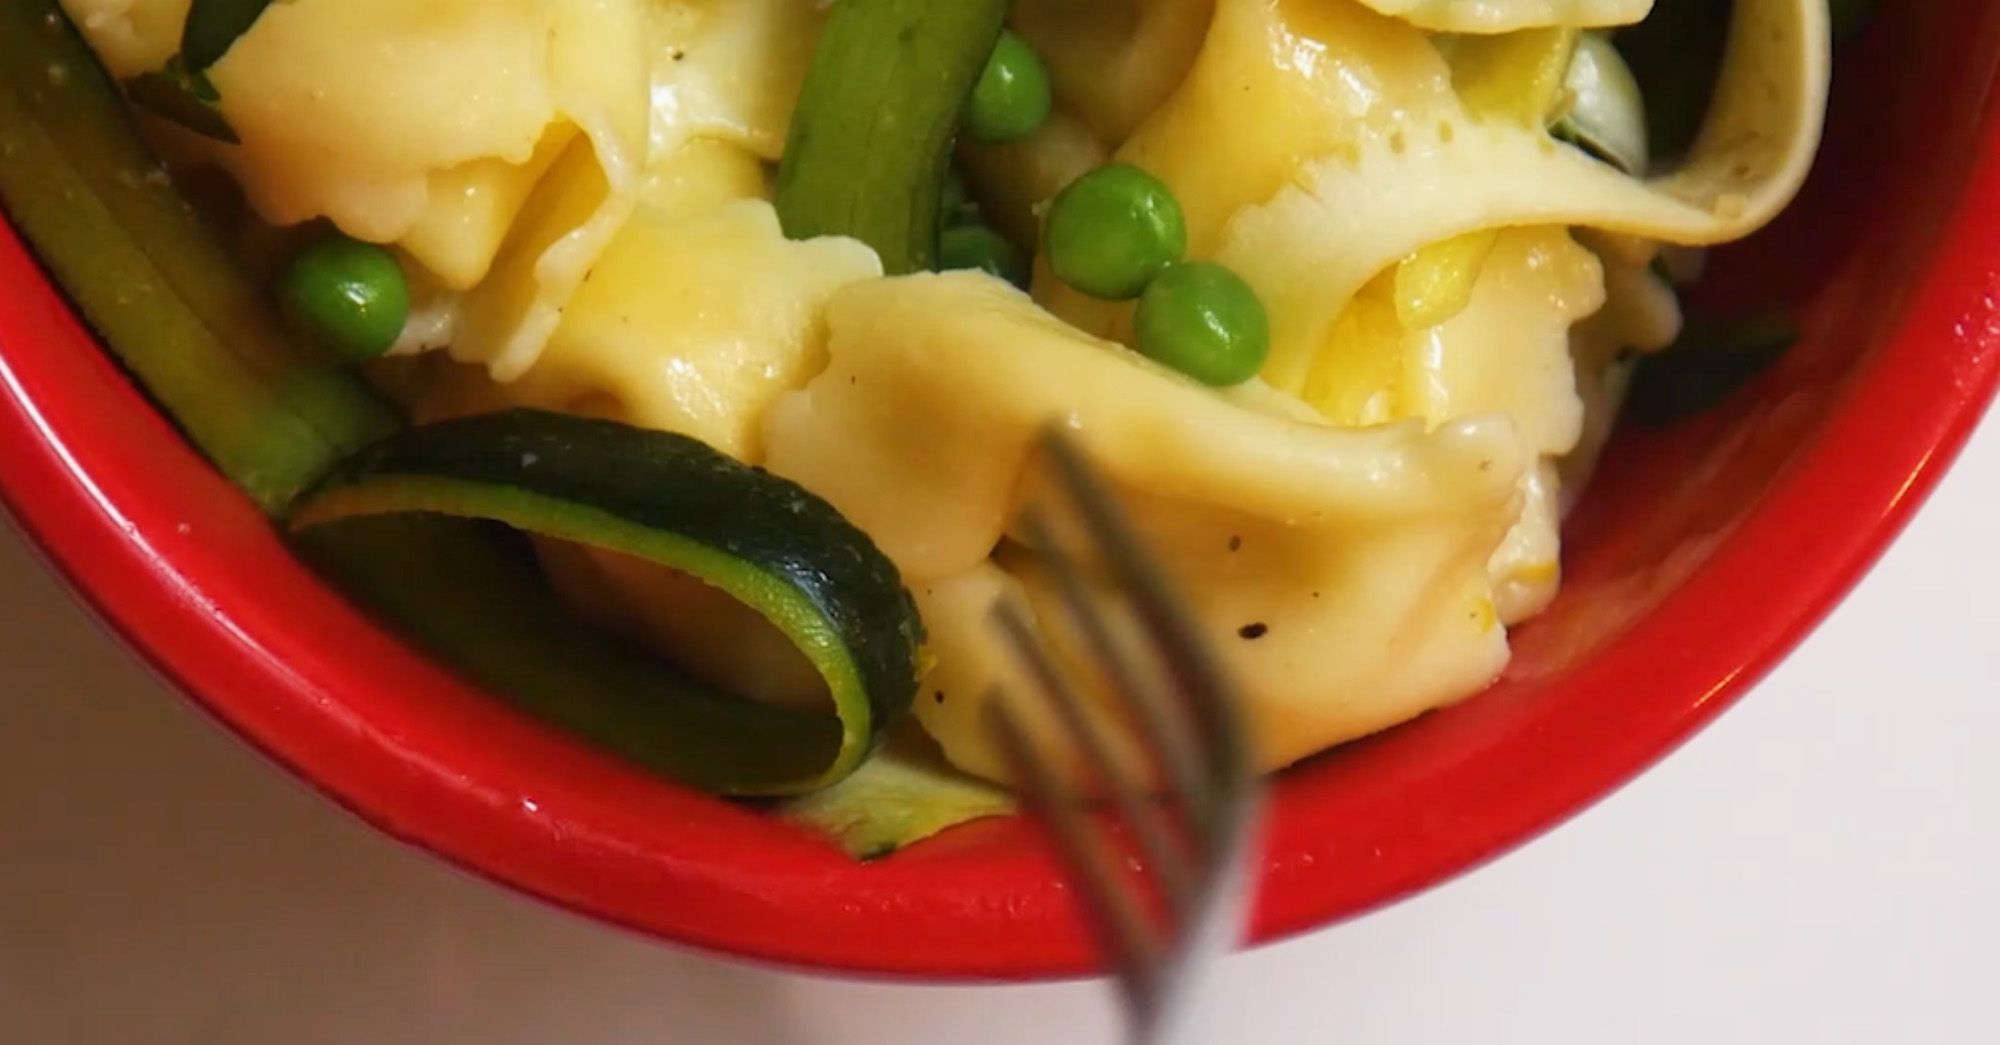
(905, 794)
(676, 502)
(158, 286)
(871, 139)
(472, 594)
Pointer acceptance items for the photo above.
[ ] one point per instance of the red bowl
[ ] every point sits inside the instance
(1702, 556)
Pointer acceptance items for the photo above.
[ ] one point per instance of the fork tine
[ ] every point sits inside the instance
(1174, 637)
(1130, 936)
(1164, 726)
(1168, 857)
(1209, 766)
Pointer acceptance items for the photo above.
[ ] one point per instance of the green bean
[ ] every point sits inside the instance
(871, 139)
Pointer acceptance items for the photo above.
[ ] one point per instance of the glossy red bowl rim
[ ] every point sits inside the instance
(170, 558)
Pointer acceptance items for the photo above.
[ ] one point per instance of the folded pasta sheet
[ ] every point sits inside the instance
(1343, 570)
(1499, 16)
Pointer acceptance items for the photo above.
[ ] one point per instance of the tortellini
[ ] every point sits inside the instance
(1365, 154)
(726, 71)
(694, 321)
(1342, 571)
(501, 143)
(581, 190)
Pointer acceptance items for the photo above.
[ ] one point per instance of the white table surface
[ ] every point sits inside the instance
(1819, 867)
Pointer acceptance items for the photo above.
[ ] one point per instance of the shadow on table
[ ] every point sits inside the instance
(159, 884)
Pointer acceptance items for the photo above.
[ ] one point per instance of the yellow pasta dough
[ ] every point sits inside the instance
(1499, 16)
(1363, 552)
(1114, 61)
(130, 36)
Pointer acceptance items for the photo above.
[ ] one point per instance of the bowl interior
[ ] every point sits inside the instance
(1701, 555)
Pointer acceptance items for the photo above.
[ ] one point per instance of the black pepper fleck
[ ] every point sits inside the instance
(939, 695)
(1236, 544)
(1253, 631)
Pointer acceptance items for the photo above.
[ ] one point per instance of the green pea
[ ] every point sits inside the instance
(1012, 98)
(1112, 230)
(981, 248)
(1201, 319)
(349, 295)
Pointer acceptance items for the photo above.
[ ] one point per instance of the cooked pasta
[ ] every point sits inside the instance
(586, 198)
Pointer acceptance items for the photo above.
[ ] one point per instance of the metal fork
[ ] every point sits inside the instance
(1189, 807)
